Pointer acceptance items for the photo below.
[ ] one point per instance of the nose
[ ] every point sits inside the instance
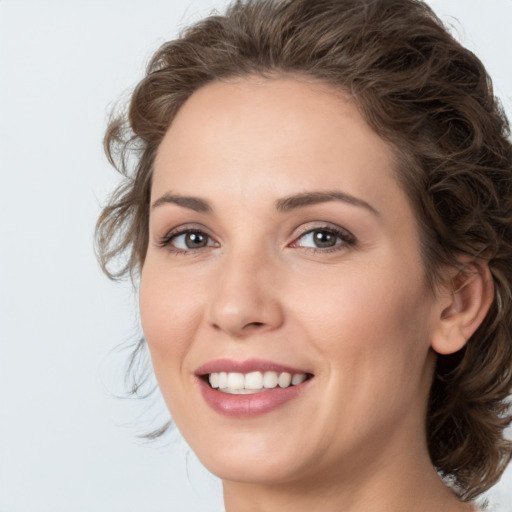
(245, 299)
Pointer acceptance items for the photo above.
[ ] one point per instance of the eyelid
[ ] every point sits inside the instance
(308, 227)
(165, 240)
(347, 238)
(327, 226)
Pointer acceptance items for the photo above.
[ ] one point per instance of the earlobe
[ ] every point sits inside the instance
(462, 307)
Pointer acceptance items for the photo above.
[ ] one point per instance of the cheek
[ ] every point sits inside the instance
(370, 332)
(371, 321)
(169, 315)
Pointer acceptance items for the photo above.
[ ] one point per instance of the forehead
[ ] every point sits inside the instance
(295, 134)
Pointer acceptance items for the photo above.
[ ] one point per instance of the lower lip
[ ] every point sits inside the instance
(245, 406)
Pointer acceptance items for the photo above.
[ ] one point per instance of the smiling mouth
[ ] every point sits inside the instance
(235, 383)
(250, 388)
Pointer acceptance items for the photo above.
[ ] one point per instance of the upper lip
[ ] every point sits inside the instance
(247, 366)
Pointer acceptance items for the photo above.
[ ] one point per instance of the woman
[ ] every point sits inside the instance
(320, 216)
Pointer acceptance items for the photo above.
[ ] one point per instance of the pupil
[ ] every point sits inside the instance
(194, 240)
(324, 239)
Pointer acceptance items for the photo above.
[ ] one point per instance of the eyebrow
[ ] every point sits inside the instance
(193, 203)
(282, 205)
(312, 198)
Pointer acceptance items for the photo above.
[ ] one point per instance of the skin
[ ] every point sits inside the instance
(359, 315)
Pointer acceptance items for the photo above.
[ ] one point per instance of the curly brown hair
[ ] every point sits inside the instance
(419, 89)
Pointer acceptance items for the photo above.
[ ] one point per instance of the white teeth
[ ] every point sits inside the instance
(270, 380)
(254, 382)
(298, 378)
(214, 380)
(236, 381)
(284, 380)
(230, 391)
(223, 380)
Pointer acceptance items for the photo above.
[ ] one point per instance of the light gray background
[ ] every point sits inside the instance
(66, 444)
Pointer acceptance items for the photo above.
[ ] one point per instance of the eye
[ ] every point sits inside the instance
(324, 238)
(187, 240)
(190, 240)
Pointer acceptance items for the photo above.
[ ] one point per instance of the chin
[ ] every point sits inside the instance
(247, 454)
(248, 467)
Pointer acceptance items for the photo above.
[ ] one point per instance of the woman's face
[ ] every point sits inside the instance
(282, 247)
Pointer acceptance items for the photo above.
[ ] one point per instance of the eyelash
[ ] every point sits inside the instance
(347, 239)
(166, 240)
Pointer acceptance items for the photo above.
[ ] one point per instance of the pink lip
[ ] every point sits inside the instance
(245, 406)
(250, 365)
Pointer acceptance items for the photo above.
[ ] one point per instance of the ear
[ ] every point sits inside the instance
(462, 305)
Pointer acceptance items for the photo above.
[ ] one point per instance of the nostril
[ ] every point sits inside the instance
(255, 324)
